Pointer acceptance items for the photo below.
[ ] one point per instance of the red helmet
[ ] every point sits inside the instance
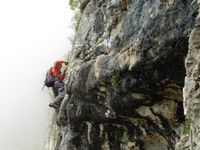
(55, 70)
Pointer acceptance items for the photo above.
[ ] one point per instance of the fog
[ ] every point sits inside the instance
(33, 34)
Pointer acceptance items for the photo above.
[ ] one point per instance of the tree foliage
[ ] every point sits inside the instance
(74, 4)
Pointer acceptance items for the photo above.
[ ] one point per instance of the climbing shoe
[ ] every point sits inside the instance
(54, 105)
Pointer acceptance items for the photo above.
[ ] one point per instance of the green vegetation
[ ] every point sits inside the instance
(115, 82)
(186, 126)
(74, 5)
(76, 19)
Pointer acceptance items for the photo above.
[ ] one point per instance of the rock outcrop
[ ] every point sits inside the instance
(192, 86)
(126, 76)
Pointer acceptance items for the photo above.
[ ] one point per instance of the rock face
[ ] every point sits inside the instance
(192, 85)
(124, 85)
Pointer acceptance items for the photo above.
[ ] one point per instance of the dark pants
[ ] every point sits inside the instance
(59, 91)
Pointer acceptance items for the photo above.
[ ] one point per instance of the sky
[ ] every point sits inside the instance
(33, 34)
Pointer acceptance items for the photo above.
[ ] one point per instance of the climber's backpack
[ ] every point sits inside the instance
(49, 80)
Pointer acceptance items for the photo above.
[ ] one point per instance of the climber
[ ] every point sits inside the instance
(54, 79)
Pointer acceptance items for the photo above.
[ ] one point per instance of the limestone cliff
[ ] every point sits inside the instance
(126, 74)
(192, 86)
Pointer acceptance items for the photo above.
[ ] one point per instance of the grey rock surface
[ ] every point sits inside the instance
(192, 86)
(126, 76)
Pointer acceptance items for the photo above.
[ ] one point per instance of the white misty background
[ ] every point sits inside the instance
(33, 34)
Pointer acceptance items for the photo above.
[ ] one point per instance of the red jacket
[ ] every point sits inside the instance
(55, 70)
